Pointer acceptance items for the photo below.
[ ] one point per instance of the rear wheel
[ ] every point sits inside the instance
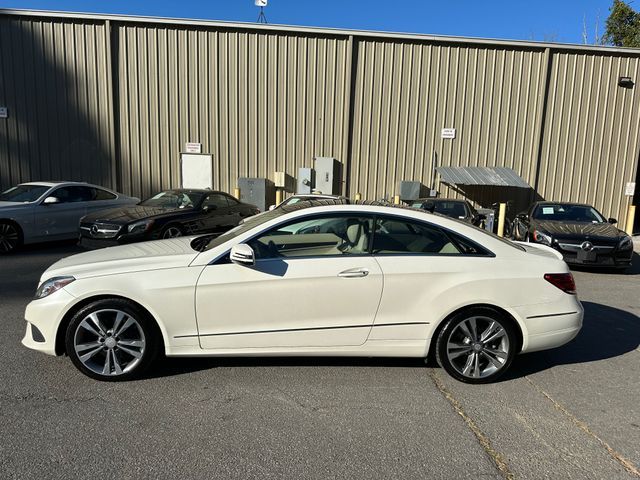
(112, 339)
(476, 346)
(171, 231)
(10, 237)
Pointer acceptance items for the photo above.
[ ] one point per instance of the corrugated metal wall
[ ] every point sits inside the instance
(406, 93)
(258, 102)
(591, 142)
(53, 81)
(114, 101)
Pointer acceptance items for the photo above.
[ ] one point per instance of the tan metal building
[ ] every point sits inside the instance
(113, 99)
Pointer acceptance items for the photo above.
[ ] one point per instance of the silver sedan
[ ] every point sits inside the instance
(46, 211)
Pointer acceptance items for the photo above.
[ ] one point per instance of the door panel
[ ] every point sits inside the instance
(288, 302)
(61, 220)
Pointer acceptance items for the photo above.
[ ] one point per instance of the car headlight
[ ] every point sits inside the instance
(140, 227)
(625, 243)
(542, 237)
(52, 285)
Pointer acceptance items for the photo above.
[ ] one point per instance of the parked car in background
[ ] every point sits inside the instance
(454, 208)
(168, 214)
(578, 231)
(45, 211)
(276, 287)
(305, 197)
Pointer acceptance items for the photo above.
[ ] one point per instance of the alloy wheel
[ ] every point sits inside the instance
(172, 232)
(478, 347)
(9, 237)
(109, 342)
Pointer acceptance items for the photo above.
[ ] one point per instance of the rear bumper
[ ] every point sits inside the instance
(550, 326)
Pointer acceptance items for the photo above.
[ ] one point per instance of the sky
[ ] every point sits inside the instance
(540, 20)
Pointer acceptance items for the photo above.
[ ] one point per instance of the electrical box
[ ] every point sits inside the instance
(260, 192)
(284, 181)
(490, 215)
(306, 181)
(411, 190)
(328, 176)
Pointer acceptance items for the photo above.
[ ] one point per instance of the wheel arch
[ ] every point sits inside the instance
(489, 306)
(60, 348)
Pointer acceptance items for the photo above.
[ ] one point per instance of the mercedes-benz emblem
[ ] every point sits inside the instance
(587, 246)
(94, 229)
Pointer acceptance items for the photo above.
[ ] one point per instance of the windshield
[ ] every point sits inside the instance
(450, 209)
(24, 193)
(174, 199)
(563, 212)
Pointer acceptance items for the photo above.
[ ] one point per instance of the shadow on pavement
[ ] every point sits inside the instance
(607, 332)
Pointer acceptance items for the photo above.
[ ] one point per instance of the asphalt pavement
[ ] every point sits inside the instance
(572, 412)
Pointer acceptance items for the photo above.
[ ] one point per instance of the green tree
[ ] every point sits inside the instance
(623, 25)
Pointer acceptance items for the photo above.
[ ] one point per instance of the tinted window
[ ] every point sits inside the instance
(216, 200)
(73, 194)
(99, 194)
(405, 236)
(567, 213)
(23, 193)
(174, 199)
(450, 209)
(342, 235)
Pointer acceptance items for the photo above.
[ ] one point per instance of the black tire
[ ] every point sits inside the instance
(10, 237)
(81, 338)
(172, 227)
(486, 371)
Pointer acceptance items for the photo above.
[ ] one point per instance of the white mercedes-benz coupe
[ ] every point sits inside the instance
(315, 278)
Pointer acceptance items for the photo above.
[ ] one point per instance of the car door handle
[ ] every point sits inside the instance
(354, 273)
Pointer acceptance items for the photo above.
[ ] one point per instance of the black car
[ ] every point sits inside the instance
(578, 231)
(460, 209)
(169, 214)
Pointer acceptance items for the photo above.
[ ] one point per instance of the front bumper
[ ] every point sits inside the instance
(611, 259)
(45, 315)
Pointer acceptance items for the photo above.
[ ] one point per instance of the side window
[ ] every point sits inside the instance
(215, 200)
(99, 194)
(232, 201)
(73, 194)
(405, 236)
(341, 235)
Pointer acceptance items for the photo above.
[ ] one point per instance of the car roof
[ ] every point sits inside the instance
(315, 195)
(575, 204)
(64, 183)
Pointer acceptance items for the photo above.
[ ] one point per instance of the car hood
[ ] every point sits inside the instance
(11, 206)
(124, 215)
(155, 255)
(578, 229)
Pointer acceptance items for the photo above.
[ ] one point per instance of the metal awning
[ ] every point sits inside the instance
(494, 176)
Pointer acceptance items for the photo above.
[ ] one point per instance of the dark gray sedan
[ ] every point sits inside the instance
(46, 211)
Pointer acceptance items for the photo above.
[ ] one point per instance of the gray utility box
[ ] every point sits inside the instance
(328, 175)
(306, 181)
(260, 192)
(411, 190)
(491, 217)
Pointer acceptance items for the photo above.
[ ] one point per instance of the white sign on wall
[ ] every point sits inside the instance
(4, 112)
(448, 133)
(197, 170)
(192, 147)
(630, 189)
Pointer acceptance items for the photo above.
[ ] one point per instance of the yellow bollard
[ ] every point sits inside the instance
(631, 215)
(358, 197)
(396, 200)
(236, 193)
(501, 215)
(279, 196)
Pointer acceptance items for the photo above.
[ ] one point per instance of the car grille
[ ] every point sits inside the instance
(574, 247)
(99, 230)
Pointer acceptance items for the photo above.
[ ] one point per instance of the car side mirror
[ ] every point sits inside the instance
(51, 200)
(207, 208)
(613, 221)
(242, 254)
(272, 207)
(522, 216)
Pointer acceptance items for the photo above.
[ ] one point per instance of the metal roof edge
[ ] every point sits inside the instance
(321, 31)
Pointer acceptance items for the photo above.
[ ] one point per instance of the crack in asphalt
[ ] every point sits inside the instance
(484, 441)
(618, 457)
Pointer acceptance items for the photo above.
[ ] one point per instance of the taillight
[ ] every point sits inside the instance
(564, 281)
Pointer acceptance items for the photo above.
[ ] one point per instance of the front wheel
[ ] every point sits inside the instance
(112, 339)
(10, 237)
(476, 346)
(171, 231)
